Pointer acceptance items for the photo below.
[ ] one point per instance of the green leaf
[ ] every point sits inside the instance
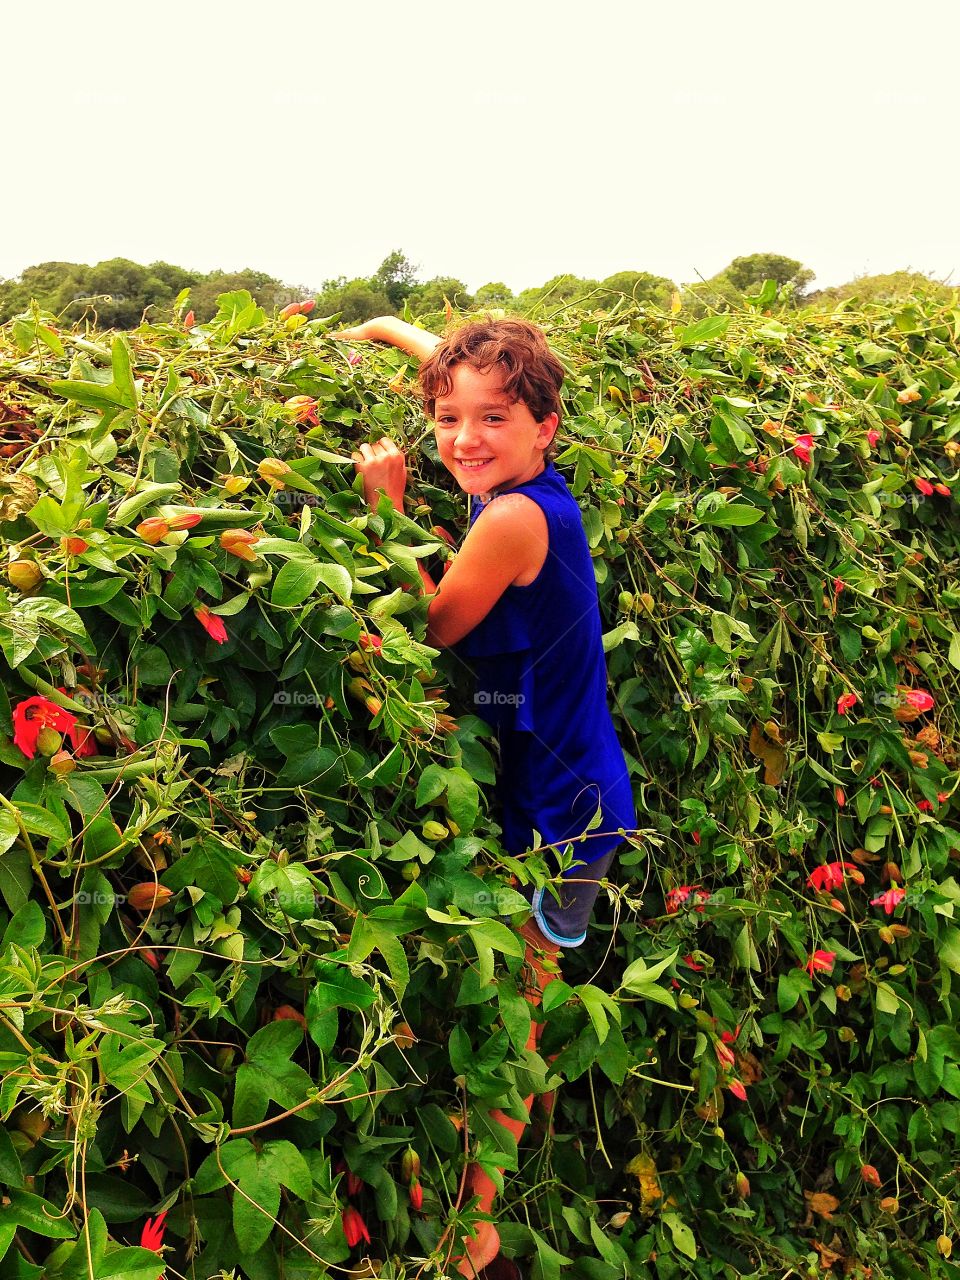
(132, 1263)
(298, 579)
(683, 1238)
(122, 374)
(734, 514)
(704, 330)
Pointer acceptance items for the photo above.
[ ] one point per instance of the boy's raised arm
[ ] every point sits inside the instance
(418, 342)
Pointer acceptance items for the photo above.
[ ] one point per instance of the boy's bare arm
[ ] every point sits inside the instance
(418, 342)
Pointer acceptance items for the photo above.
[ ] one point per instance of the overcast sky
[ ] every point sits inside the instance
(490, 140)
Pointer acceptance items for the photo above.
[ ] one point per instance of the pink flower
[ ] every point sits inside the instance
(211, 624)
(821, 962)
(829, 876)
(845, 702)
(872, 438)
(919, 699)
(924, 486)
(354, 357)
(802, 446)
(889, 900)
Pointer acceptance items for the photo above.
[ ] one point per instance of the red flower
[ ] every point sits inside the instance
(869, 1174)
(151, 1237)
(725, 1055)
(304, 409)
(738, 1090)
(354, 357)
(676, 898)
(830, 876)
(889, 900)
(211, 624)
(845, 702)
(943, 797)
(307, 306)
(872, 438)
(189, 320)
(841, 796)
(924, 806)
(372, 644)
(696, 837)
(942, 489)
(416, 1194)
(876, 782)
(802, 446)
(919, 699)
(354, 1183)
(821, 962)
(153, 529)
(37, 713)
(924, 486)
(689, 961)
(354, 1227)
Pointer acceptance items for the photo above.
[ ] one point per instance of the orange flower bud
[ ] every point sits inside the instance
(73, 546)
(61, 763)
(870, 1175)
(149, 896)
(186, 520)
(153, 529)
(416, 1195)
(403, 1036)
(24, 574)
(287, 1013)
(189, 320)
(743, 1186)
(273, 471)
(891, 1205)
(374, 705)
(240, 543)
(291, 309)
(410, 1166)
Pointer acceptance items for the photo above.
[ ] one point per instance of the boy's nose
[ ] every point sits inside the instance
(467, 435)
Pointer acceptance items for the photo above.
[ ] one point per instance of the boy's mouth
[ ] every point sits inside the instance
(473, 464)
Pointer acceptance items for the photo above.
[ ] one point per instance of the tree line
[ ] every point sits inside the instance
(119, 294)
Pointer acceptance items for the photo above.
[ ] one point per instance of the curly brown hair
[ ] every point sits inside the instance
(532, 373)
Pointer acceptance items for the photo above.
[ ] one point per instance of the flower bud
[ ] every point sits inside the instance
(891, 1205)
(291, 309)
(287, 1013)
(434, 831)
(239, 543)
(944, 1246)
(416, 1194)
(185, 520)
(870, 1175)
(307, 306)
(743, 1186)
(189, 320)
(899, 930)
(49, 741)
(374, 705)
(273, 470)
(149, 896)
(626, 601)
(61, 762)
(409, 1166)
(233, 485)
(842, 992)
(403, 1036)
(847, 1035)
(73, 546)
(24, 574)
(153, 529)
(886, 934)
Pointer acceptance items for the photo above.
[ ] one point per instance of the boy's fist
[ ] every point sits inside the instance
(383, 466)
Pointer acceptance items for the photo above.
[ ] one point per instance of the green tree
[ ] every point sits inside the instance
(432, 295)
(895, 286)
(636, 286)
(396, 277)
(494, 294)
(564, 288)
(355, 300)
(748, 274)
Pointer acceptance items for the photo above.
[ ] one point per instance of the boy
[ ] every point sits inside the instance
(519, 604)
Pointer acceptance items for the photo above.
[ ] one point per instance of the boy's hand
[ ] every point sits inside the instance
(383, 466)
(369, 331)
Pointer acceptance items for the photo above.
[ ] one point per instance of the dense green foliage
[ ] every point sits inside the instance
(119, 294)
(758, 1078)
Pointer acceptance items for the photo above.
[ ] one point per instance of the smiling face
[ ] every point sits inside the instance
(483, 439)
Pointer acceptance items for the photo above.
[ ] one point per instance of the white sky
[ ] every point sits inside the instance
(490, 140)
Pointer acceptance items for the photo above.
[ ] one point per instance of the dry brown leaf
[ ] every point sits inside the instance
(774, 758)
(749, 1067)
(822, 1202)
(863, 857)
(828, 1256)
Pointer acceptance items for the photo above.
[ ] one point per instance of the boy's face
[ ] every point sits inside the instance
(483, 439)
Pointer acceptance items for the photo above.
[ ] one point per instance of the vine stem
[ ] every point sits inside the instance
(37, 869)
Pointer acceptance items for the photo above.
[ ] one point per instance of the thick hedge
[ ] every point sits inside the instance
(253, 893)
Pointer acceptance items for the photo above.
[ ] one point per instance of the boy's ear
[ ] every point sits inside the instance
(548, 429)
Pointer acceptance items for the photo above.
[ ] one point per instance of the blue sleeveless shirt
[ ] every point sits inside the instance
(541, 683)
